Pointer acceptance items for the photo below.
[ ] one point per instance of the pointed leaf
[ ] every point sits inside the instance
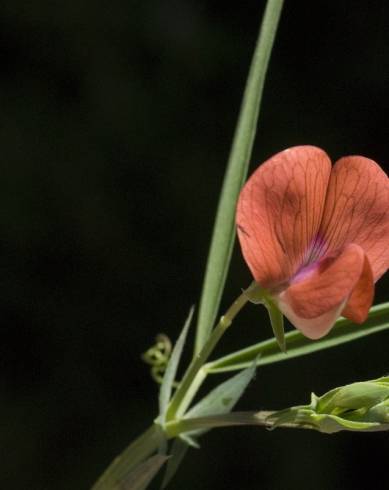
(298, 345)
(130, 459)
(141, 476)
(224, 229)
(190, 440)
(224, 397)
(178, 452)
(171, 369)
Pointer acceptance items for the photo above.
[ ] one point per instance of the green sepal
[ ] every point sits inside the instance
(329, 424)
(379, 413)
(255, 293)
(277, 322)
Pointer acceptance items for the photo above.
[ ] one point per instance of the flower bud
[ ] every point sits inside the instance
(358, 406)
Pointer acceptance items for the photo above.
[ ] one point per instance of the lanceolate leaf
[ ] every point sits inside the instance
(171, 369)
(178, 451)
(121, 468)
(224, 397)
(224, 228)
(298, 345)
(141, 476)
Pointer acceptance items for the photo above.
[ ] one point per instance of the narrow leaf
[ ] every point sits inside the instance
(171, 369)
(178, 452)
(298, 345)
(224, 229)
(135, 454)
(141, 476)
(190, 440)
(224, 397)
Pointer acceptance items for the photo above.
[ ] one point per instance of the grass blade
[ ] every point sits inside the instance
(141, 476)
(178, 452)
(224, 229)
(298, 345)
(171, 369)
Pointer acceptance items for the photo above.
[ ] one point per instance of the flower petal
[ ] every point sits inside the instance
(279, 212)
(357, 211)
(361, 299)
(321, 295)
(313, 328)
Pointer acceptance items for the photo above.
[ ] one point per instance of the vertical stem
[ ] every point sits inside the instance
(224, 231)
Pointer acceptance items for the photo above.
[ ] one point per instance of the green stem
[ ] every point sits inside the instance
(177, 427)
(134, 454)
(224, 229)
(188, 388)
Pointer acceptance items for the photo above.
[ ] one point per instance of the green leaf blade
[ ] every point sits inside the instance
(178, 452)
(130, 459)
(141, 476)
(223, 398)
(298, 345)
(224, 229)
(171, 369)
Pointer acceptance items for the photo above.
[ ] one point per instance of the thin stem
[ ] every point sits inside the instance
(223, 236)
(187, 389)
(176, 427)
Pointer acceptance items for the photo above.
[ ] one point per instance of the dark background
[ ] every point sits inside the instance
(116, 121)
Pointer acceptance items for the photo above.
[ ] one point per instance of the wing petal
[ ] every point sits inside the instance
(314, 302)
(357, 211)
(359, 303)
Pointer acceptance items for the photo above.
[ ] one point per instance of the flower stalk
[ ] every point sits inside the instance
(194, 376)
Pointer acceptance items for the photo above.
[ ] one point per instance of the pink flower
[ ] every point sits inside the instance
(316, 237)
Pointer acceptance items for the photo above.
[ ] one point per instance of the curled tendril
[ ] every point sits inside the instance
(158, 357)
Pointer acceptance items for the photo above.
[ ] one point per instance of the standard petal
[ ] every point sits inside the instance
(322, 293)
(357, 211)
(361, 299)
(279, 212)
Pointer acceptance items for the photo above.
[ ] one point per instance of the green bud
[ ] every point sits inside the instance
(379, 412)
(354, 396)
(358, 406)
